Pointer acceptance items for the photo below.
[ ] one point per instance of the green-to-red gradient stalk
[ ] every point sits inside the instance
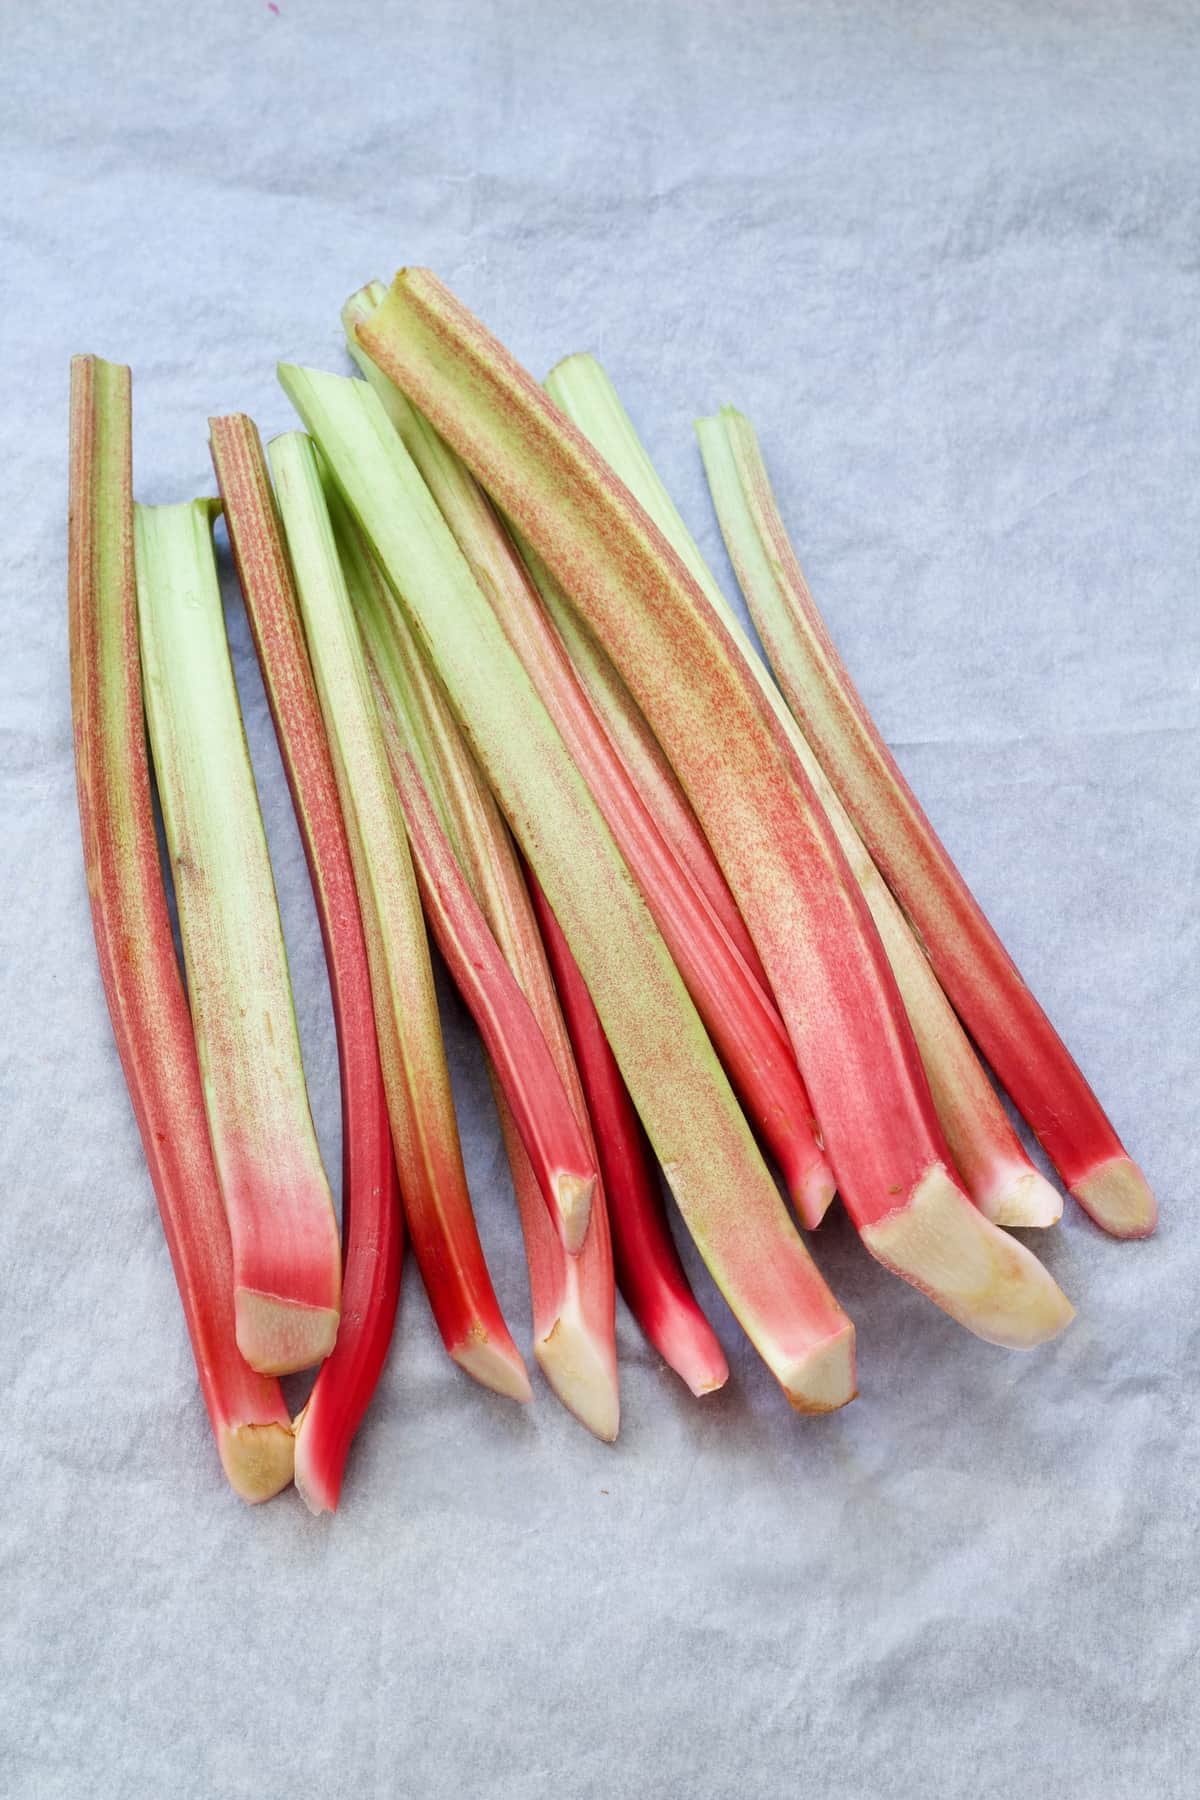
(998, 1173)
(433, 1182)
(805, 912)
(572, 1297)
(651, 1275)
(146, 1001)
(972, 964)
(741, 1019)
(723, 1188)
(372, 1225)
(286, 1254)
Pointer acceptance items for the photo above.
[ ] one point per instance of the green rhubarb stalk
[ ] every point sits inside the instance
(146, 1001)
(979, 976)
(433, 1181)
(805, 912)
(720, 1182)
(286, 1255)
(987, 1152)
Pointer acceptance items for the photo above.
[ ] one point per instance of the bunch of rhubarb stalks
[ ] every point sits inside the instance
(692, 904)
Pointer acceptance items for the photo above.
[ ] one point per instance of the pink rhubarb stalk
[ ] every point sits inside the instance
(372, 1226)
(146, 1001)
(723, 1188)
(433, 1182)
(543, 1115)
(987, 1152)
(805, 912)
(979, 977)
(572, 1296)
(286, 1255)
(741, 1019)
(650, 1273)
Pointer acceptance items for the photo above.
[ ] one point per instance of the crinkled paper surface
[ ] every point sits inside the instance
(945, 256)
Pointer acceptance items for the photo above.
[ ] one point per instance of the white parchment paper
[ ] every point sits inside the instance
(945, 256)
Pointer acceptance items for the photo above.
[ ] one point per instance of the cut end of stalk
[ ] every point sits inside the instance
(969, 1267)
(689, 1345)
(825, 1378)
(582, 1375)
(492, 1366)
(317, 1486)
(258, 1460)
(278, 1337)
(1117, 1196)
(1022, 1200)
(814, 1195)
(574, 1196)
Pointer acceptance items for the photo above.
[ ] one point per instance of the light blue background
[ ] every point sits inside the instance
(946, 258)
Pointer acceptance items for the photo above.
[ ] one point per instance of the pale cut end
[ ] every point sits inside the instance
(318, 1493)
(815, 1197)
(493, 1367)
(825, 1378)
(1022, 1199)
(969, 1267)
(582, 1376)
(1118, 1197)
(278, 1337)
(258, 1460)
(573, 1194)
(689, 1345)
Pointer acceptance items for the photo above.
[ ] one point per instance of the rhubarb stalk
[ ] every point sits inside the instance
(372, 1228)
(974, 968)
(572, 1296)
(433, 1182)
(543, 1115)
(649, 1270)
(741, 1019)
(146, 1001)
(723, 1188)
(286, 1254)
(803, 909)
(987, 1152)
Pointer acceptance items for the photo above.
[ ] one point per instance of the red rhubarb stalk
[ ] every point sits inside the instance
(286, 1254)
(727, 1197)
(146, 1001)
(741, 1019)
(372, 1228)
(987, 1152)
(519, 1053)
(433, 1182)
(572, 1296)
(651, 1275)
(972, 964)
(804, 910)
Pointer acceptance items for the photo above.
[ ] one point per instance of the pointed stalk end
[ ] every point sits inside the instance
(573, 1196)
(1117, 1196)
(258, 1460)
(687, 1343)
(825, 1378)
(495, 1366)
(1022, 1199)
(814, 1194)
(279, 1337)
(582, 1370)
(985, 1279)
